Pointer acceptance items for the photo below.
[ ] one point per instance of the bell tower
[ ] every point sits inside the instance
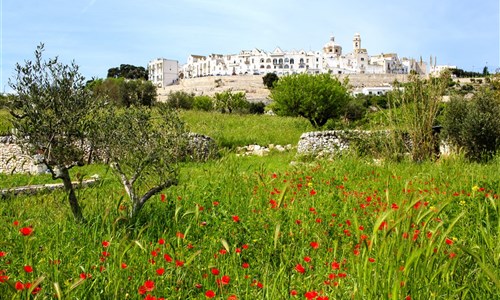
(356, 42)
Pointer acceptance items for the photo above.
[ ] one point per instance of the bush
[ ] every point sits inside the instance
(256, 108)
(229, 102)
(180, 100)
(317, 98)
(204, 103)
(269, 79)
(474, 125)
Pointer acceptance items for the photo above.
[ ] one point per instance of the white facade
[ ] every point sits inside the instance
(329, 60)
(163, 72)
(436, 70)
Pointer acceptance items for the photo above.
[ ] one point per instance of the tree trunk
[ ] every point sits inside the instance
(73, 201)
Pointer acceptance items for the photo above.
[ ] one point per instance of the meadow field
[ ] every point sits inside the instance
(262, 228)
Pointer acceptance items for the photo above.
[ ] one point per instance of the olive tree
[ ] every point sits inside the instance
(52, 116)
(143, 146)
(317, 98)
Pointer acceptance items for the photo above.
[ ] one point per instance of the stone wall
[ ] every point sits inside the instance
(14, 160)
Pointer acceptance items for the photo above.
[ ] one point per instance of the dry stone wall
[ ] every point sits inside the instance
(14, 160)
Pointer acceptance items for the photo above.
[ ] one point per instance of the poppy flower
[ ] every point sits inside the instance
(225, 279)
(311, 294)
(105, 244)
(179, 263)
(232, 297)
(167, 257)
(124, 266)
(149, 285)
(209, 294)
(25, 231)
(215, 271)
(449, 241)
(299, 268)
(236, 219)
(160, 271)
(19, 286)
(15, 223)
(3, 253)
(371, 259)
(335, 265)
(307, 259)
(28, 269)
(161, 241)
(314, 245)
(245, 265)
(322, 298)
(293, 293)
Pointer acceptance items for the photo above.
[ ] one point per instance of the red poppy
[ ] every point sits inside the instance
(149, 285)
(322, 298)
(3, 253)
(371, 259)
(335, 265)
(307, 259)
(26, 231)
(161, 241)
(19, 286)
(232, 297)
(15, 223)
(180, 235)
(299, 268)
(28, 269)
(394, 206)
(260, 285)
(105, 244)
(124, 266)
(449, 241)
(215, 271)
(225, 279)
(163, 197)
(236, 219)
(167, 257)
(383, 225)
(179, 263)
(312, 192)
(245, 265)
(314, 245)
(160, 271)
(209, 294)
(293, 293)
(311, 294)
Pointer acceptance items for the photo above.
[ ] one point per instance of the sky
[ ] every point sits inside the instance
(102, 34)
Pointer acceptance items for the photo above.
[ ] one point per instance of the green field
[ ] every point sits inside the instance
(262, 228)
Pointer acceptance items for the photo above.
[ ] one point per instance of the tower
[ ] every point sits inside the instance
(356, 42)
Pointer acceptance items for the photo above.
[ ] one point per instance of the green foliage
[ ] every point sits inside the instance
(128, 72)
(317, 98)
(270, 79)
(419, 106)
(474, 125)
(124, 92)
(229, 102)
(5, 122)
(256, 108)
(143, 147)
(204, 103)
(180, 100)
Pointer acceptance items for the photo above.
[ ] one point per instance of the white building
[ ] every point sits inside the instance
(329, 60)
(163, 72)
(437, 69)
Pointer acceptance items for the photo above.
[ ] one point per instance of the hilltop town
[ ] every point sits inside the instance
(243, 72)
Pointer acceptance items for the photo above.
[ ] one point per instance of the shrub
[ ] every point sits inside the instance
(317, 98)
(180, 100)
(204, 103)
(269, 79)
(229, 102)
(474, 125)
(256, 108)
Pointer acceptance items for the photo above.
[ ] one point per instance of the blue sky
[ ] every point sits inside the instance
(100, 34)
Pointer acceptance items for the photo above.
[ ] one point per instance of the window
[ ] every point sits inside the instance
(292, 61)
(362, 59)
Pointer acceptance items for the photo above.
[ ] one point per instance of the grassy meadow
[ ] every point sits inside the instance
(262, 228)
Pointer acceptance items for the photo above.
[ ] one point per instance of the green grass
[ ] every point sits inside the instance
(429, 231)
(232, 130)
(344, 229)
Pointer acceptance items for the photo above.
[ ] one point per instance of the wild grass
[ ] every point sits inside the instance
(260, 228)
(5, 124)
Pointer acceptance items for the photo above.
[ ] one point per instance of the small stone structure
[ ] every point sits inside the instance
(258, 150)
(327, 143)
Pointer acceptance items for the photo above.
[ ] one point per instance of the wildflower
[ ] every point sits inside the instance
(236, 219)
(25, 231)
(105, 244)
(19, 286)
(15, 223)
(161, 241)
(383, 225)
(28, 269)
(245, 265)
(179, 235)
(179, 263)
(3, 253)
(293, 293)
(209, 294)
(167, 257)
(452, 255)
(335, 265)
(314, 245)
(311, 294)
(163, 197)
(260, 285)
(214, 271)
(225, 279)
(232, 297)
(299, 268)
(149, 285)
(371, 259)
(449, 241)
(312, 192)
(394, 206)
(160, 271)
(322, 298)
(307, 259)
(123, 265)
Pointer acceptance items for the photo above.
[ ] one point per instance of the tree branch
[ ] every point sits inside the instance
(157, 189)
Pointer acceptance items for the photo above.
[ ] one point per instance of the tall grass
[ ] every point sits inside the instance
(339, 229)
